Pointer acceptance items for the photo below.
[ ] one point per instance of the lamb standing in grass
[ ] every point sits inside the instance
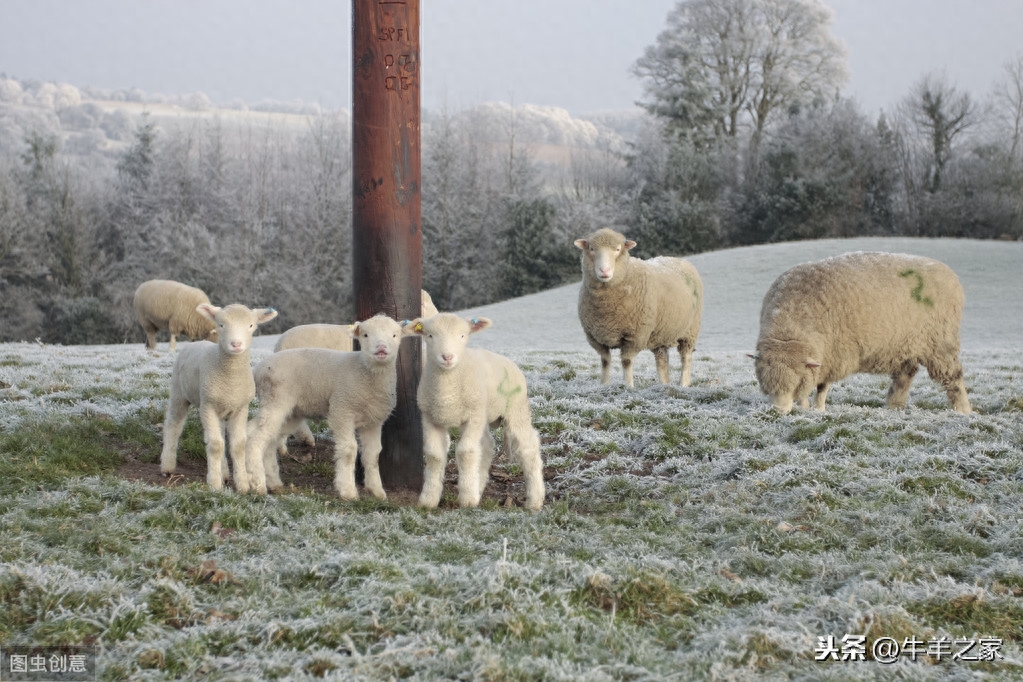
(217, 378)
(163, 304)
(335, 337)
(881, 313)
(471, 389)
(632, 304)
(355, 391)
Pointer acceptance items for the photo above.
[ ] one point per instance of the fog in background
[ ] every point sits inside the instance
(574, 54)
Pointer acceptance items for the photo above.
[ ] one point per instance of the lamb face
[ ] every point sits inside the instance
(446, 336)
(379, 338)
(235, 324)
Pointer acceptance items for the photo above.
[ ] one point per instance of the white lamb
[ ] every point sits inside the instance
(335, 337)
(881, 313)
(355, 391)
(635, 304)
(216, 378)
(163, 304)
(471, 389)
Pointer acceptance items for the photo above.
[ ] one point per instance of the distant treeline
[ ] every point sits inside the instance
(258, 211)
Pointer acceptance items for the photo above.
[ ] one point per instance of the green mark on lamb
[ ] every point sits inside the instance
(507, 388)
(917, 292)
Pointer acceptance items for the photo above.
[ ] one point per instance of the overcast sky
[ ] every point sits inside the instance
(574, 54)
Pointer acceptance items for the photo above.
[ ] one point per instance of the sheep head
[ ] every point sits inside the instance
(446, 336)
(786, 372)
(235, 324)
(379, 337)
(604, 252)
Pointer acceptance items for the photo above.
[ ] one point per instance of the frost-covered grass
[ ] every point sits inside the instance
(688, 534)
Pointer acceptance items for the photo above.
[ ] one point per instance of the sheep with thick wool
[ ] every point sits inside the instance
(166, 305)
(355, 391)
(634, 304)
(880, 313)
(217, 379)
(335, 337)
(473, 390)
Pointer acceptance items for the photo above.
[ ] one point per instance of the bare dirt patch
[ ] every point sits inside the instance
(310, 469)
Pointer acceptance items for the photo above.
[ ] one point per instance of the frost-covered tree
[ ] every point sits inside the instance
(724, 65)
(937, 113)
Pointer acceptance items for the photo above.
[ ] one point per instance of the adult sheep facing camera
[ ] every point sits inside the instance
(635, 304)
(880, 313)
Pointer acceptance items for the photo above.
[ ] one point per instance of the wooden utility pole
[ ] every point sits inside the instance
(387, 215)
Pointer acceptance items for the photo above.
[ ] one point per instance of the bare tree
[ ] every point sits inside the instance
(938, 113)
(1009, 104)
(724, 64)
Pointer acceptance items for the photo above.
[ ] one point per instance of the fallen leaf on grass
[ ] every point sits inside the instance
(209, 573)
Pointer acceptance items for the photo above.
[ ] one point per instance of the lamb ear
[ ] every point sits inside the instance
(479, 324)
(354, 330)
(629, 245)
(581, 243)
(265, 315)
(208, 310)
(812, 364)
(412, 327)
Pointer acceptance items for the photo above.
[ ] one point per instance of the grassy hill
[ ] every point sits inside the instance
(687, 534)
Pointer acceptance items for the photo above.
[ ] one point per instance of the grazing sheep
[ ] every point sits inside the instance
(635, 304)
(881, 313)
(163, 304)
(335, 337)
(471, 389)
(216, 378)
(355, 391)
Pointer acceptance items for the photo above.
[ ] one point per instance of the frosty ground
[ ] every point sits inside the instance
(688, 533)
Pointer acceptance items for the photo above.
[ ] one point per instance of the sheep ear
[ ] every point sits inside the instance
(412, 327)
(208, 310)
(354, 330)
(812, 364)
(581, 243)
(265, 315)
(629, 245)
(479, 324)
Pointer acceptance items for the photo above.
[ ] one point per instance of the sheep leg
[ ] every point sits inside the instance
(213, 435)
(263, 432)
(685, 353)
(173, 425)
(661, 358)
(628, 354)
(243, 477)
(468, 454)
(304, 433)
(436, 441)
(902, 378)
(605, 359)
(821, 396)
(950, 375)
(370, 442)
(150, 331)
(172, 341)
(525, 444)
(346, 448)
(487, 448)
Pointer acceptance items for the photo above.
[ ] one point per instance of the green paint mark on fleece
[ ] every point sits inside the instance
(508, 390)
(917, 292)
